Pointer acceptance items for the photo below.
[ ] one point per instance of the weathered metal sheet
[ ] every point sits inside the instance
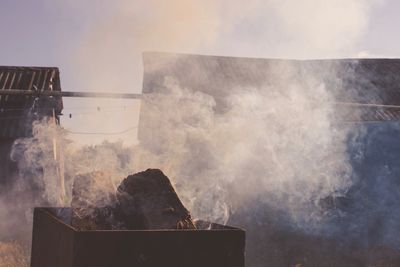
(357, 81)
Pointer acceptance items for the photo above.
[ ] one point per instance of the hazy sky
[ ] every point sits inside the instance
(97, 44)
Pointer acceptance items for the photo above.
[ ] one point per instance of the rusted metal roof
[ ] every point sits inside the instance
(353, 83)
(17, 112)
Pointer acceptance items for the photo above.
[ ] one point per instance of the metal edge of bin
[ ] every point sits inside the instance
(56, 243)
(52, 241)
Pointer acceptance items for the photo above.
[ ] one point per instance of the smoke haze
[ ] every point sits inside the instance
(114, 35)
(276, 146)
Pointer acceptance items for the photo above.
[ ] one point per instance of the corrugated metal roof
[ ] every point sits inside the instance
(362, 81)
(18, 112)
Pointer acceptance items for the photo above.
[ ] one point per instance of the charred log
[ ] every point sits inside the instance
(149, 201)
(146, 200)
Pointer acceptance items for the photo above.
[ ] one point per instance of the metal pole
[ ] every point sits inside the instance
(68, 94)
(10, 92)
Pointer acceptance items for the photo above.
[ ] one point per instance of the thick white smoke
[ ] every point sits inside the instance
(109, 52)
(47, 164)
(278, 146)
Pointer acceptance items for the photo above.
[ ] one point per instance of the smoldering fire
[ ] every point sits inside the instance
(270, 162)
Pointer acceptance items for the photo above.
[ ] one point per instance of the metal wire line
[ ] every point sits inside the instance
(103, 133)
(73, 108)
(91, 113)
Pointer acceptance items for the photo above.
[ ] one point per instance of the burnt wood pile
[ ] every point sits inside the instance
(146, 226)
(93, 202)
(145, 200)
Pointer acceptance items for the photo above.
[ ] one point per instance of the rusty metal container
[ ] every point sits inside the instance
(57, 244)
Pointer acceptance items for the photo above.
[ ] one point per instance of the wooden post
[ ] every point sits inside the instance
(59, 159)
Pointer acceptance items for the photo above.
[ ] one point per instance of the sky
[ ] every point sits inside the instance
(98, 44)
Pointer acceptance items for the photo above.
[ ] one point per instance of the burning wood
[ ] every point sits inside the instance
(148, 201)
(93, 202)
(145, 200)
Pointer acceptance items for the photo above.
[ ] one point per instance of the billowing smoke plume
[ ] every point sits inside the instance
(109, 52)
(47, 164)
(277, 146)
